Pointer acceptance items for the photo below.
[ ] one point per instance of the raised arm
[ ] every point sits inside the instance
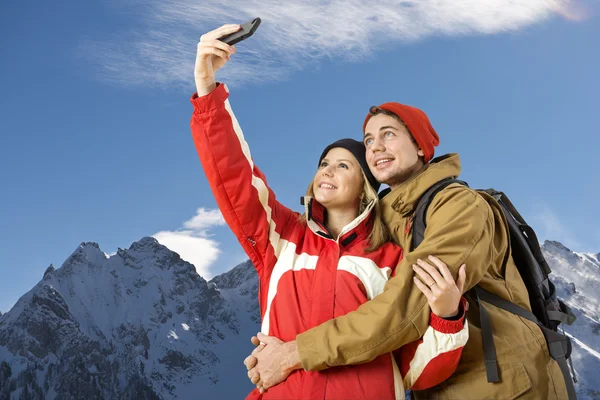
(240, 189)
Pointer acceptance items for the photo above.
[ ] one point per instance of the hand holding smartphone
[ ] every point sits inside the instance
(215, 49)
(245, 32)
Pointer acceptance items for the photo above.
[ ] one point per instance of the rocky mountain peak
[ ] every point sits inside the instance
(86, 254)
(147, 243)
(235, 277)
(48, 271)
(552, 244)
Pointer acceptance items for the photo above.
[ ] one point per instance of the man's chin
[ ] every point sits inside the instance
(384, 177)
(391, 179)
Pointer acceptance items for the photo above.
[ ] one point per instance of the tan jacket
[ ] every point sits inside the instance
(462, 227)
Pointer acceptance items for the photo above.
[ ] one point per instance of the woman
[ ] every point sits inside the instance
(320, 265)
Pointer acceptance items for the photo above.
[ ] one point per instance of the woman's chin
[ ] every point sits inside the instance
(324, 200)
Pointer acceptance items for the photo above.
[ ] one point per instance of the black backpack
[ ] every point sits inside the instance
(547, 310)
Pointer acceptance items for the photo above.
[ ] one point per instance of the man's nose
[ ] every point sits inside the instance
(377, 145)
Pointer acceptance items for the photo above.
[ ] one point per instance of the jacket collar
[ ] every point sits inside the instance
(403, 198)
(359, 228)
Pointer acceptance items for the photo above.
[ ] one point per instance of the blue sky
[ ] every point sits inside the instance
(95, 112)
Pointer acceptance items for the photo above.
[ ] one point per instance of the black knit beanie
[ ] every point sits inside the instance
(358, 151)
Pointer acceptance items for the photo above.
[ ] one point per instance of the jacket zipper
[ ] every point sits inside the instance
(333, 311)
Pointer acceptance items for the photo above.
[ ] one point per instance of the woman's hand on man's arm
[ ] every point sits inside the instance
(437, 284)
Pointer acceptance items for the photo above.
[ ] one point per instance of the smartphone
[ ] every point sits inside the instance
(244, 33)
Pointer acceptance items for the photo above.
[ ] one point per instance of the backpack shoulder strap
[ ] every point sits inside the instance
(419, 218)
(558, 345)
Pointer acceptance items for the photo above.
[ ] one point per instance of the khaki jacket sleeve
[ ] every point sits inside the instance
(460, 229)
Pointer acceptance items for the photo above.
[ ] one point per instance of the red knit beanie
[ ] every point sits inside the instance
(417, 123)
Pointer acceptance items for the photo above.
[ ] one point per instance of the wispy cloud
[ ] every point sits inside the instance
(193, 242)
(549, 226)
(295, 33)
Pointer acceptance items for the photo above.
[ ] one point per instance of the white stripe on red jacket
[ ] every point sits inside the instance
(306, 277)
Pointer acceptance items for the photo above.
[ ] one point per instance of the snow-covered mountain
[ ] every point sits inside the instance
(577, 280)
(142, 324)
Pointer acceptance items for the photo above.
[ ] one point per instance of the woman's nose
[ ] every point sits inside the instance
(327, 171)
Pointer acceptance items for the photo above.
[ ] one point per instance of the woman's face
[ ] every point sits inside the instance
(338, 183)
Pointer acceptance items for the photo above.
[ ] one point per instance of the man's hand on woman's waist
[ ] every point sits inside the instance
(271, 362)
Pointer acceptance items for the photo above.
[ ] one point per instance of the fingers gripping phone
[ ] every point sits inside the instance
(245, 32)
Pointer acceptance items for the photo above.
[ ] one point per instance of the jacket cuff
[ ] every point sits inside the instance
(211, 101)
(309, 352)
(454, 325)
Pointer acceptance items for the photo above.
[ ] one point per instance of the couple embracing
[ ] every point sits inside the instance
(350, 310)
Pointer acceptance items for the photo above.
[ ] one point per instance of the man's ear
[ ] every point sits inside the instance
(420, 152)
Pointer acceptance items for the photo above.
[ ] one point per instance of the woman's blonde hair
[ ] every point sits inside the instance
(379, 233)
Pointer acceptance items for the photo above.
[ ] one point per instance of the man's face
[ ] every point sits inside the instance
(392, 154)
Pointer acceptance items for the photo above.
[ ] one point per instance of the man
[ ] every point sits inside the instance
(462, 227)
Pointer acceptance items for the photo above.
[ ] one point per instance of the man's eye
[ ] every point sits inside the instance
(388, 133)
(368, 142)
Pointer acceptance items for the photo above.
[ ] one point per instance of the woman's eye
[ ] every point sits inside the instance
(323, 164)
(342, 165)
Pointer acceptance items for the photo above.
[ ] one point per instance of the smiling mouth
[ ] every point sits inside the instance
(326, 186)
(383, 162)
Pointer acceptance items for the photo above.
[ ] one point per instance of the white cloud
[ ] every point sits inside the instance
(548, 226)
(193, 243)
(204, 219)
(295, 33)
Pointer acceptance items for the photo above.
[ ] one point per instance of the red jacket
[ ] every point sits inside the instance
(306, 277)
